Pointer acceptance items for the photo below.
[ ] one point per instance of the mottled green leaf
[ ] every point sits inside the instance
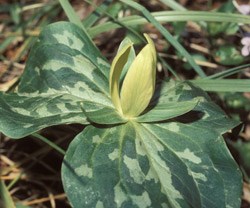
(150, 165)
(204, 114)
(22, 115)
(167, 111)
(63, 61)
(63, 71)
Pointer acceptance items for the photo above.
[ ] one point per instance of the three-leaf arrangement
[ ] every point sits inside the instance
(146, 143)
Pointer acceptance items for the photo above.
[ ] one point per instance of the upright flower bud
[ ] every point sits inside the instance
(139, 83)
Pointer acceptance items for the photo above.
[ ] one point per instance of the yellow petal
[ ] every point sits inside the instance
(139, 83)
(116, 68)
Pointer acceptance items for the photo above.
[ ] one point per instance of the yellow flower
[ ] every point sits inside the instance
(138, 85)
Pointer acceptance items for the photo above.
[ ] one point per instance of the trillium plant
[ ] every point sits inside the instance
(146, 143)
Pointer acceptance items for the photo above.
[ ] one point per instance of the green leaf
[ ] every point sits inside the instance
(58, 60)
(101, 114)
(22, 206)
(228, 55)
(60, 75)
(150, 165)
(175, 163)
(5, 198)
(180, 92)
(228, 72)
(227, 28)
(173, 5)
(73, 17)
(167, 111)
(96, 14)
(22, 115)
(243, 154)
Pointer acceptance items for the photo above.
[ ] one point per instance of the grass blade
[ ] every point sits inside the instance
(71, 14)
(5, 197)
(223, 85)
(47, 141)
(228, 72)
(173, 16)
(95, 15)
(130, 29)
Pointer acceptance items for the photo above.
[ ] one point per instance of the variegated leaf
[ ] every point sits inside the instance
(64, 61)
(204, 114)
(167, 111)
(22, 115)
(150, 165)
(62, 65)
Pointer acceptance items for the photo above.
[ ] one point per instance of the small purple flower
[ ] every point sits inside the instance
(245, 51)
(244, 9)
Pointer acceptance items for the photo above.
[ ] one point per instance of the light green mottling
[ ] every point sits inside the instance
(83, 64)
(112, 130)
(120, 196)
(164, 205)
(27, 126)
(21, 111)
(142, 201)
(134, 169)
(31, 93)
(37, 70)
(188, 155)
(140, 150)
(43, 110)
(173, 127)
(96, 139)
(49, 91)
(163, 172)
(99, 204)
(55, 65)
(159, 147)
(89, 94)
(114, 155)
(84, 170)
(199, 176)
(63, 108)
(151, 175)
(100, 61)
(228, 206)
(63, 38)
(205, 115)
